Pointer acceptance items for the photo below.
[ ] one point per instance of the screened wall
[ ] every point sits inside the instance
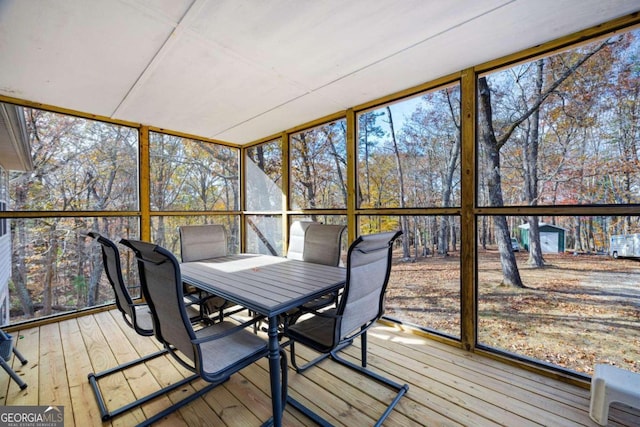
(470, 167)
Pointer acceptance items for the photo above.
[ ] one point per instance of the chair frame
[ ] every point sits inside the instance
(313, 229)
(196, 366)
(127, 308)
(6, 338)
(338, 343)
(206, 315)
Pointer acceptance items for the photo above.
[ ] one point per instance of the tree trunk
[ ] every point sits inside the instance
(510, 273)
(443, 237)
(307, 173)
(483, 232)
(531, 172)
(403, 219)
(95, 260)
(51, 264)
(19, 268)
(336, 157)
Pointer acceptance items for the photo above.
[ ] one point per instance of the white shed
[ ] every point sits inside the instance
(552, 237)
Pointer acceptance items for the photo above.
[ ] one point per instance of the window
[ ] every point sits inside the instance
(409, 152)
(554, 133)
(577, 310)
(264, 234)
(409, 157)
(424, 286)
(190, 175)
(80, 165)
(318, 159)
(563, 129)
(263, 177)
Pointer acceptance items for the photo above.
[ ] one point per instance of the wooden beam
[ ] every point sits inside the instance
(145, 185)
(468, 315)
(352, 184)
(286, 192)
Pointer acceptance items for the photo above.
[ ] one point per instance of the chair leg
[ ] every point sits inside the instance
(301, 369)
(308, 413)
(105, 414)
(13, 374)
(19, 355)
(160, 415)
(8, 346)
(363, 344)
(401, 389)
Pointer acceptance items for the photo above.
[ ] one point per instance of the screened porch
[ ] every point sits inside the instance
(499, 137)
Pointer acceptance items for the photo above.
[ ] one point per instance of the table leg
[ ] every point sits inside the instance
(274, 372)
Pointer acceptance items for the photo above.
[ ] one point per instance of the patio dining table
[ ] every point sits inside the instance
(269, 286)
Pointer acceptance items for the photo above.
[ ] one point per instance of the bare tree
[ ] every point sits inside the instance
(452, 165)
(403, 219)
(494, 143)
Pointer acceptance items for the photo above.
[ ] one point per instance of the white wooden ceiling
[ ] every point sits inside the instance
(240, 70)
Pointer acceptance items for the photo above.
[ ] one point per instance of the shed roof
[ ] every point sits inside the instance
(542, 224)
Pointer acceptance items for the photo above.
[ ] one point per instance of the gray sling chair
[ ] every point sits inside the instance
(318, 243)
(138, 317)
(214, 352)
(200, 243)
(360, 305)
(6, 349)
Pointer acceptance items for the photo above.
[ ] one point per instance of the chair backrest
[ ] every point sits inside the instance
(198, 242)
(322, 243)
(315, 242)
(296, 239)
(368, 270)
(162, 288)
(113, 270)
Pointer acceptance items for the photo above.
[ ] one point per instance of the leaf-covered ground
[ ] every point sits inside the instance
(576, 311)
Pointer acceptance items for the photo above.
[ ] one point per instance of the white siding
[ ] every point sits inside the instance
(5, 252)
(5, 273)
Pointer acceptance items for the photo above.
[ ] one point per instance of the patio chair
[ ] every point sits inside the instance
(360, 305)
(315, 242)
(214, 352)
(6, 349)
(202, 243)
(137, 316)
(320, 244)
(297, 230)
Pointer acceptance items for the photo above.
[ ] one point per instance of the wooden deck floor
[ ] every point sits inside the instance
(448, 387)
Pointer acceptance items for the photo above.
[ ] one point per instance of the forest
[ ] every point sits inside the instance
(558, 130)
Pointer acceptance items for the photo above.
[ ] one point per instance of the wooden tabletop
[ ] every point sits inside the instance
(265, 284)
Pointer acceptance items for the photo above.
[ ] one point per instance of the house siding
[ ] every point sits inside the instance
(5, 251)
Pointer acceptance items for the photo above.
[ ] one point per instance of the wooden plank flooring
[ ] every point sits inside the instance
(448, 387)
